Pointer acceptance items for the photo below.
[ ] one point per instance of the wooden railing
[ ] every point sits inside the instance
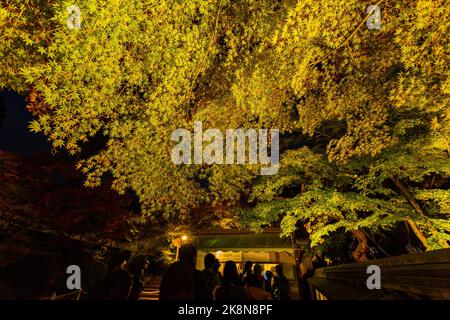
(74, 295)
(413, 276)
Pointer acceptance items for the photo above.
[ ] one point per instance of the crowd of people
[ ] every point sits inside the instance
(182, 281)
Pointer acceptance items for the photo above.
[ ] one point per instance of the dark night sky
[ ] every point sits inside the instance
(14, 133)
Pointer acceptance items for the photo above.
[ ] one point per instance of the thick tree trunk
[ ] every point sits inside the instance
(418, 234)
(409, 197)
(360, 253)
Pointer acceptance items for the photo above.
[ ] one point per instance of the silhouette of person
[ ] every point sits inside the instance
(183, 279)
(177, 282)
(139, 272)
(259, 279)
(255, 291)
(210, 276)
(268, 275)
(216, 270)
(231, 288)
(117, 284)
(246, 272)
(280, 285)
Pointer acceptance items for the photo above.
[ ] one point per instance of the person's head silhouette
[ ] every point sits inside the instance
(230, 274)
(188, 254)
(278, 270)
(210, 260)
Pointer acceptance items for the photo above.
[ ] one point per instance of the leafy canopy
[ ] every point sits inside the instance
(362, 111)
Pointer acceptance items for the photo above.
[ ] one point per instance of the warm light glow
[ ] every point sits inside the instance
(184, 238)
